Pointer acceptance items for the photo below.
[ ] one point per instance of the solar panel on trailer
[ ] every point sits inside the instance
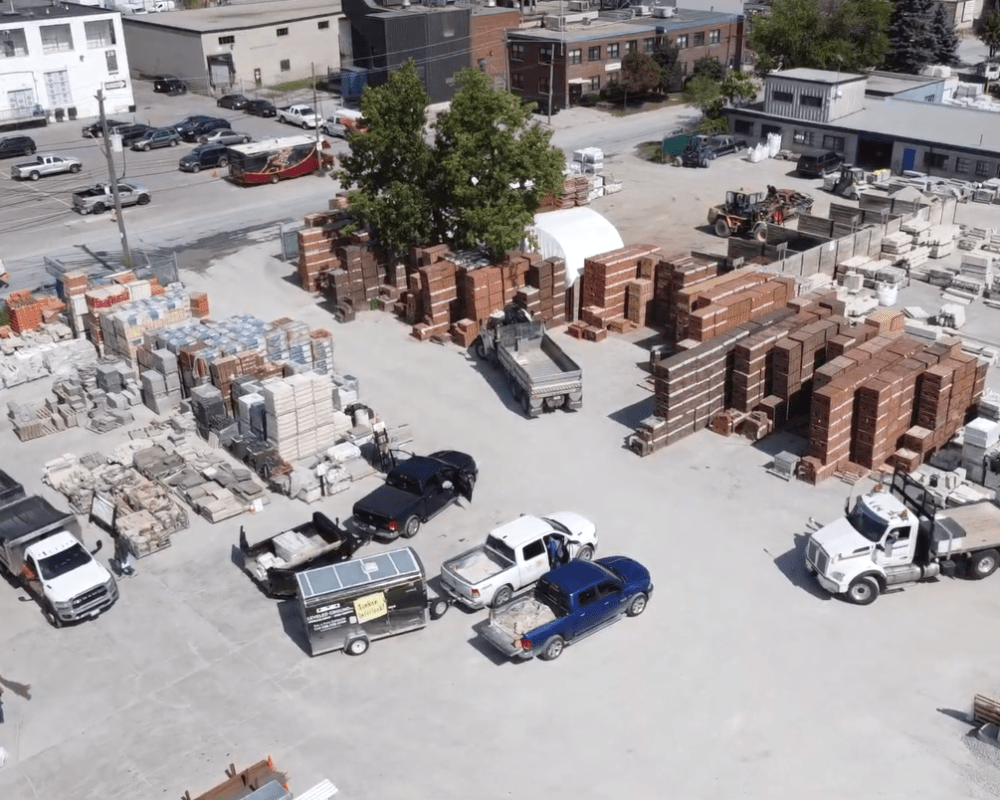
(359, 572)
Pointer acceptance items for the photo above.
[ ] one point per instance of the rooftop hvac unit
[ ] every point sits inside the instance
(664, 12)
(643, 11)
(578, 5)
(555, 23)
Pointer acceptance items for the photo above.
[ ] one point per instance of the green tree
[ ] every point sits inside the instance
(640, 74)
(667, 57)
(738, 87)
(706, 93)
(391, 164)
(710, 67)
(911, 37)
(990, 32)
(945, 40)
(857, 35)
(493, 165)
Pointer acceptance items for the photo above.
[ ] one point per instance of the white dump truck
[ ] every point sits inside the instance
(893, 537)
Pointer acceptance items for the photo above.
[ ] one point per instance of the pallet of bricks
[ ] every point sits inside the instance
(613, 284)
(671, 276)
(25, 312)
(890, 403)
(575, 192)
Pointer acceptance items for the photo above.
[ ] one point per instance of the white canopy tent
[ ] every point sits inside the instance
(573, 234)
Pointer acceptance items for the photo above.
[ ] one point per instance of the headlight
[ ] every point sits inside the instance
(837, 576)
(64, 605)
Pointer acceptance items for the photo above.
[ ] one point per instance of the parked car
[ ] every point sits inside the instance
(260, 108)
(187, 122)
(131, 133)
(225, 136)
(44, 165)
(11, 146)
(819, 164)
(301, 115)
(169, 84)
(99, 198)
(569, 603)
(343, 121)
(190, 133)
(157, 137)
(206, 156)
(233, 101)
(703, 149)
(415, 490)
(94, 129)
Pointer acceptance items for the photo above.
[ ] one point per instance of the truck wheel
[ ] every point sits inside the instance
(143, 199)
(704, 162)
(638, 605)
(357, 646)
(983, 564)
(863, 591)
(99, 208)
(553, 648)
(75, 169)
(480, 349)
(585, 553)
(760, 232)
(35, 175)
(52, 617)
(501, 596)
(722, 228)
(678, 162)
(439, 608)
(411, 527)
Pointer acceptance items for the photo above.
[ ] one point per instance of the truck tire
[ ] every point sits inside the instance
(480, 349)
(703, 162)
(552, 648)
(143, 199)
(357, 646)
(722, 228)
(411, 526)
(983, 564)
(439, 608)
(678, 161)
(760, 232)
(51, 616)
(30, 151)
(34, 175)
(637, 605)
(863, 591)
(98, 208)
(501, 596)
(75, 168)
(585, 553)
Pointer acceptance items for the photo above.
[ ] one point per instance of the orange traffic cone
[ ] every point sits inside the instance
(215, 174)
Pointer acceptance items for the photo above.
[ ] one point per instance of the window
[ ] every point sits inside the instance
(588, 596)
(595, 83)
(632, 46)
(937, 160)
(594, 53)
(99, 34)
(282, 31)
(833, 143)
(13, 43)
(534, 549)
(227, 40)
(576, 56)
(962, 164)
(613, 50)
(608, 588)
(743, 126)
(286, 65)
(517, 80)
(517, 52)
(323, 24)
(545, 54)
(714, 37)
(983, 169)
(614, 77)
(682, 41)
(699, 39)
(783, 97)
(767, 130)
(812, 100)
(684, 68)
(56, 39)
(543, 85)
(803, 137)
(112, 59)
(648, 45)
(57, 85)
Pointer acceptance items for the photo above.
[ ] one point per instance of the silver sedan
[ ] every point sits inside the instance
(222, 136)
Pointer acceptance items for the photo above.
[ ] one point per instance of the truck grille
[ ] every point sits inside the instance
(816, 556)
(89, 597)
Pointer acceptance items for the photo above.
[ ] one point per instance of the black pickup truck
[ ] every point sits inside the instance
(415, 490)
(703, 149)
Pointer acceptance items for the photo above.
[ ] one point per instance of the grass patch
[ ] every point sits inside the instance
(648, 104)
(651, 151)
(4, 316)
(293, 86)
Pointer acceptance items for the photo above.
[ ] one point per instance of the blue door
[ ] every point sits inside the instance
(909, 157)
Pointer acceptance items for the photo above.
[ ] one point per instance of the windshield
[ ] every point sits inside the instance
(552, 596)
(63, 562)
(866, 522)
(499, 548)
(405, 482)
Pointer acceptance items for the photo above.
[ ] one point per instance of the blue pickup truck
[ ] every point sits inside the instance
(568, 603)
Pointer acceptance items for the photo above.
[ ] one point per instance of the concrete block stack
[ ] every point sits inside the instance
(299, 415)
(941, 240)
(161, 380)
(125, 324)
(345, 391)
(208, 406)
(975, 275)
(41, 353)
(251, 415)
(980, 442)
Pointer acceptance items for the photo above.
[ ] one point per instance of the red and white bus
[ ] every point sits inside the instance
(274, 160)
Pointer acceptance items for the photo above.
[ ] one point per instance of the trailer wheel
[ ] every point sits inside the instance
(638, 605)
(863, 591)
(553, 648)
(722, 228)
(439, 608)
(411, 527)
(983, 564)
(52, 617)
(501, 596)
(357, 646)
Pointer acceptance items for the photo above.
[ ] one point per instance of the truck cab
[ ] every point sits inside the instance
(74, 585)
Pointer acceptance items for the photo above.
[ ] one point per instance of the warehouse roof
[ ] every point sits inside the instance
(238, 17)
(28, 10)
(605, 27)
(817, 75)
(889, 83)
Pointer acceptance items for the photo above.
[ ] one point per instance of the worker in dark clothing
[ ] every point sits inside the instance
(557, 552)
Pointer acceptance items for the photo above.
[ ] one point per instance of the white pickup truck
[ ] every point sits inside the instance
(515, 555)
(304, 116)
(44, 165)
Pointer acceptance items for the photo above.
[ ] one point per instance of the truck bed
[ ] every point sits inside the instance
(31, 514)
(534, 352)
(521, 616)
(967, 528)
(474, 566)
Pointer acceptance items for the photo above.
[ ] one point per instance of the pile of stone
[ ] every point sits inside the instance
(41, 353)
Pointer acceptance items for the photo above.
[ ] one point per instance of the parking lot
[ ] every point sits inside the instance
(742, 679)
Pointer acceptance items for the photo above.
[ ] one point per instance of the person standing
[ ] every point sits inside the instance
(123, 556)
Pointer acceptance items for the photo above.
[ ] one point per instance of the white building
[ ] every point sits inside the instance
(55, 56)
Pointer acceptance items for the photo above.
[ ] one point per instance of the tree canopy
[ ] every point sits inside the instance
(806, 33)
(479, 183)
(911, 37)
(990, 32)
(945, 39)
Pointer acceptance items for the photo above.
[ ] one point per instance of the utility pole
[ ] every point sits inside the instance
(319, 154)
(126, 250)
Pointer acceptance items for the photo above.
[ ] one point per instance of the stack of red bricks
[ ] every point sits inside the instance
(317, 244)
(548, 276)
(606, 286)
(199, 304)
(438, 299)
(575, 192)
(672, 275)
(708, 308)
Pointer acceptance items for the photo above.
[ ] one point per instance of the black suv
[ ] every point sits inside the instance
(11, 146)
(168, 84)
(817, 165)
(260, 108)
(190, 133)
(207, 156)
(94, 129)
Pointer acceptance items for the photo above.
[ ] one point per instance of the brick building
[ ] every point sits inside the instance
(488, 29)
(582, 52)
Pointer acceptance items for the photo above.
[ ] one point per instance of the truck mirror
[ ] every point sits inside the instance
(97, 549)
